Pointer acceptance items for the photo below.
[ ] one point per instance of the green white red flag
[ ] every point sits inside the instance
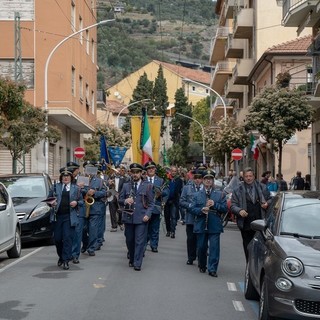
(145, 139)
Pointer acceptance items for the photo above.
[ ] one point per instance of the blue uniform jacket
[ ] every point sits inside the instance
(188, 192)
(214, 224)
(158, 183)
(143, 202)
(75, 195)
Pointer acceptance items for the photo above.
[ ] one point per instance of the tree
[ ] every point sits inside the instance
(224, 138)
(181, 125)
(277, 113)
(160, 97)
(201, 112)
(176, 155)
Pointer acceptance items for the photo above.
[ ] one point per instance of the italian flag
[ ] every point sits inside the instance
(254, 147)
(145, 140)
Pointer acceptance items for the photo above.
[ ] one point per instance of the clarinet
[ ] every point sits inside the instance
(208, 193)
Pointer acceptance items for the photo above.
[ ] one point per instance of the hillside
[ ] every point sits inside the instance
(169, 31)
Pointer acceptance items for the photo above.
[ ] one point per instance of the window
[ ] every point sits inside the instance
(81, 88)
(193, 88)
(93, 51)
(73, 81)
(87, 96)
(92, 101)
(80, 28)
(73, 17)
(87, 42)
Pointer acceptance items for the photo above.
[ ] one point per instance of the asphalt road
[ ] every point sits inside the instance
(104, 287)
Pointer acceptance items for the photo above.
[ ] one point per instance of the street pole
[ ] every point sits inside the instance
(127, 106)
(224, 113)
(202, 130)
(46, 149)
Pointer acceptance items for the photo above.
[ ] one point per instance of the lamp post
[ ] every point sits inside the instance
(46, 149)
(127, 106)
(224, 113)
(202, 130)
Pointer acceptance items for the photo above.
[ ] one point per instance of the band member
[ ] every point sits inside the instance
(75, 170)
(137, 200)
(161, 194)
(65, 216)
(189, 190)
(207, 206)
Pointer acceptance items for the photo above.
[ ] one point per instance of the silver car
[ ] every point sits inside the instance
(10, 240)
(283, 269)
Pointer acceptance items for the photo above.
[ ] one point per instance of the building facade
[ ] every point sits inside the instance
(30, 30)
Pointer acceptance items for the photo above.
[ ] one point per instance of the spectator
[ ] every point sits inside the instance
(282, 184)
(307, 185)
(272, 184)
(265, 177)
(298, 182)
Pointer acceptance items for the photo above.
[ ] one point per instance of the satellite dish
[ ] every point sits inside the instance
(116, 94)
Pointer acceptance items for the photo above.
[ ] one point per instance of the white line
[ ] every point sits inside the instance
(231, 286)
(20, 259)
(238, 305)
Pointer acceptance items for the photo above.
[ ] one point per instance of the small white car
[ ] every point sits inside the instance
(10, 230)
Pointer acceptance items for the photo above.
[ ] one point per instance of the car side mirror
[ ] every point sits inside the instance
(258, 225)
(3, 206)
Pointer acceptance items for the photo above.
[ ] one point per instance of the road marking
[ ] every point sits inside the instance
(231, 286)
(20, 259)
(238, 305)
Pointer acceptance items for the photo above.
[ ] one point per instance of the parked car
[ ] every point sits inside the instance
(27, 192)
(10, 240)
(283, 269)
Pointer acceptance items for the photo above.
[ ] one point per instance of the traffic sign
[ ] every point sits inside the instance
(236, 154)
(79, 152)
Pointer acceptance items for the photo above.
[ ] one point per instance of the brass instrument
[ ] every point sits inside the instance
(89, 201)
(208, 193)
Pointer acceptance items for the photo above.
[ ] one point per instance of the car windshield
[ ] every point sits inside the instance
(301, 217)
(25, 187)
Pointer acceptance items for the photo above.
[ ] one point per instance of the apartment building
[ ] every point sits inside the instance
(31, 32)
(247, 28)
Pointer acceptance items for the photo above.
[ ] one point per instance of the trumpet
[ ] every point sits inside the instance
(89, 201)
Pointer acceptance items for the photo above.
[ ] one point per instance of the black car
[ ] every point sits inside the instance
(283, 269)
(27, 192)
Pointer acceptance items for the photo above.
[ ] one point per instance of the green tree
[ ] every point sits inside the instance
(160, 97)
(224, 138)
(201, 112)
(176, 155)
(277, 113)
(180, 124)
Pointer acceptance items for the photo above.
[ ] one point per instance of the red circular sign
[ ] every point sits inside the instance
(79, 152)
(236, 154)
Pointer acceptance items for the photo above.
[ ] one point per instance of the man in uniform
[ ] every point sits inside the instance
(207, 206)
(137, 200)
(161, 194)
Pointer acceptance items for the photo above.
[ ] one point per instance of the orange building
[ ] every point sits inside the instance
(30, 30)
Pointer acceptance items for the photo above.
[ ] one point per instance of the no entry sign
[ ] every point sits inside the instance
(79, 152)
(236, 154)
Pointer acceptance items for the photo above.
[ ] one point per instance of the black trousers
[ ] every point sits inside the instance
(113, 207)
(191, 243)
(247, 236)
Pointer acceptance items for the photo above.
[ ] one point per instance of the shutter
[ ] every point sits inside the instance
(6, 162)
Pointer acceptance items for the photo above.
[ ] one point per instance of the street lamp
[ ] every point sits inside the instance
(224, 113)
(46, 149)
(127, 106)
(202, 129)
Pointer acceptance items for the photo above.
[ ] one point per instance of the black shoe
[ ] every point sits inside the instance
(83, 250)
(75, 260)
(213, 274)
(189, 262)
(168, 234)
(173, 235)
(122, 227)
(91, 253)
(65, 266)
(130, 264)
(137, 268)
(154, 249)
(202, 270)
(60, 262)
(128, 255)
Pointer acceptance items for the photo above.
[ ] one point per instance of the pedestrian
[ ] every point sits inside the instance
(137, 201)
(171, 209)
(249, 202)
(298, 182)
(161, 191)
(272, 184)
(207, 207)
(188, 192)
(265, 177)
(65, 216)
(307, 185)
(282, 184)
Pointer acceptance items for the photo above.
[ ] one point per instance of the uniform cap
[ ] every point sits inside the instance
(135, 167)
(66, 171)
(149, 164)
(73, 165)
(209, 174)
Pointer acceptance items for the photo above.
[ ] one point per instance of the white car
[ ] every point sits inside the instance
(10, 240)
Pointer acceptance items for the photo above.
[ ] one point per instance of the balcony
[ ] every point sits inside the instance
(300, 13)
(217, 110)
(234, 47)
(243, 24)
(218, 45)
(242, 70)
(233, 91)
(221, 74)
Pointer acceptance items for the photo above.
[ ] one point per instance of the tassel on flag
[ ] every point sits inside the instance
(145, 139)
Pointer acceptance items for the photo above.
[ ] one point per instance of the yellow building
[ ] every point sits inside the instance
(39, 26)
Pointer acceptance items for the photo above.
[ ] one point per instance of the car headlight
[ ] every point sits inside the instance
(39, 211)
(293, 267)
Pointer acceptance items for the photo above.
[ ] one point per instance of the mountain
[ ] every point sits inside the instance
(149, 30)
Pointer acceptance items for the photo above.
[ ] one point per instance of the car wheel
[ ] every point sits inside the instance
(225, 219)
(15, 251)
(264, 303)
(250, 292)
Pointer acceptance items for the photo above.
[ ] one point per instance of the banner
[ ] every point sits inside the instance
(154, 126)
(104, 156)
(117, 154)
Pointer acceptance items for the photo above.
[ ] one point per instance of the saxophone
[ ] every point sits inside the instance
(89, 201)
